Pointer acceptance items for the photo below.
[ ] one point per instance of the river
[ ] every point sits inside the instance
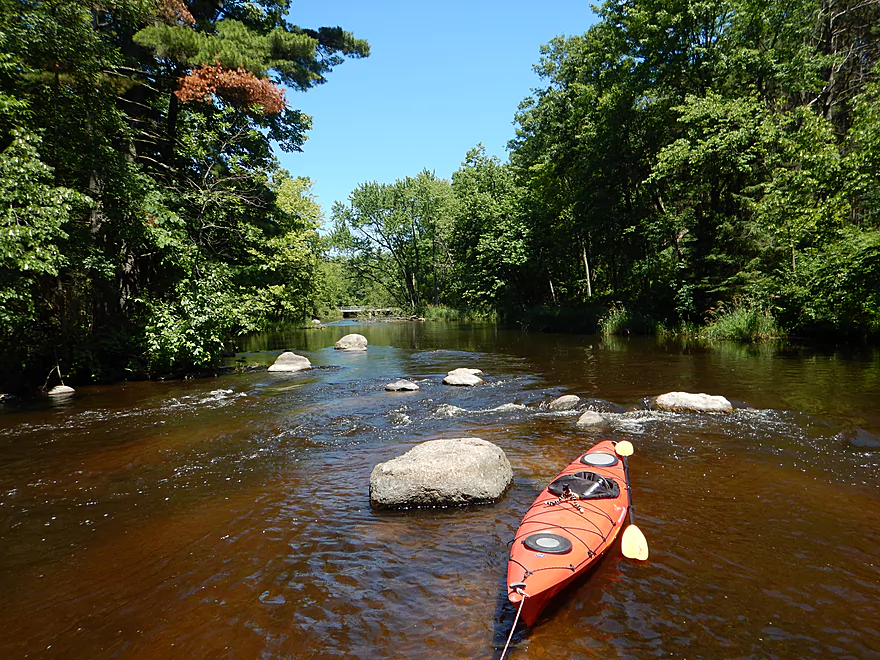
(229, 517)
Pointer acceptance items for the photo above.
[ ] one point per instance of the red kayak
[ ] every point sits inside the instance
(571, 523)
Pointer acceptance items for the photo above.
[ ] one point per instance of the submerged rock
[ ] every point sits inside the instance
(290, 362)
(591, 418)
(352, 342)
(603, 406)
(447, 410)
(566, 402)
(61, 390)
(687, 402)
(507, 407)
(462, 378)
(402, 385)
(444, 472)
(860, 438)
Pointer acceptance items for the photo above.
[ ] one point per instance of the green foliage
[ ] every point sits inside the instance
(395, 237)
(685, 156)
(489, 241)
(192, 325)
(837, 289)
(138, 232)
(618, 320)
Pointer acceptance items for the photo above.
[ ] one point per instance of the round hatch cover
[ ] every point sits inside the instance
(550, 543)
(599, 459)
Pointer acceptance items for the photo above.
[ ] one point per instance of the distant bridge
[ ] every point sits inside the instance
(352, 312)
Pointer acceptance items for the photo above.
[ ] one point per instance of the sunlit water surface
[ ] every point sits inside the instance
(229, 517)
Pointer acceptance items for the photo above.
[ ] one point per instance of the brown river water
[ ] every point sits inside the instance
(229, 517)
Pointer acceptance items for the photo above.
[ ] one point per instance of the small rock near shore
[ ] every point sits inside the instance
(290, 362)
(445, 472)
(402, 385)
(61, 390)
(352, 342)
(566, 402)
(687, 402)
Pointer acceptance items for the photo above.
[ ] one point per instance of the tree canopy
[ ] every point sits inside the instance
(141, 202)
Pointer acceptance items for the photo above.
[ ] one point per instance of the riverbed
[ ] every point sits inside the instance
(229, 517)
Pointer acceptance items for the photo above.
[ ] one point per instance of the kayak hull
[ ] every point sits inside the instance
(567, 529)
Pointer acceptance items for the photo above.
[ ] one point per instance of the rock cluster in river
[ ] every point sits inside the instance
(352, 342)
(444, 472)
(289, 361)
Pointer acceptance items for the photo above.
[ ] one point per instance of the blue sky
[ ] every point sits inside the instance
(441, 78)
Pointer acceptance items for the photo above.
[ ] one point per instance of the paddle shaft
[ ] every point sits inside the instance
(629, 491)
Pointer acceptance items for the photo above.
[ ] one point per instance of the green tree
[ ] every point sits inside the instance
(489, 242)
(396, 236)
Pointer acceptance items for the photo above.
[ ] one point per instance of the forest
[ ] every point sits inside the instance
(685, 166)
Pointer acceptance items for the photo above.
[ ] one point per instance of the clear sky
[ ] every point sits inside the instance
(442, 77)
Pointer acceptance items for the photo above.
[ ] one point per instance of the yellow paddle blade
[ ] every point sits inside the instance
(634, 544)
(624, 448)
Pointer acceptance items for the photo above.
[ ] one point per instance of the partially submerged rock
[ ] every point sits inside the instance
(290, 362)
(352, 342)
(402, 385)
(565, 402)
(444, 472)
(447, 410)
(61, 390)
(861, 439)
(687, 402)
(603, 406)
(465, 370)
(591, 418)
(463, 377)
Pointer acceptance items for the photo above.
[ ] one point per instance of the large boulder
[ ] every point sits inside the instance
(290, 361)
(402, 385)
(352, 342)
(566, 402)
(687, 402)
(444, 472)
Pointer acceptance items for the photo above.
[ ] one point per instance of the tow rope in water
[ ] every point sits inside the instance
(515, 619)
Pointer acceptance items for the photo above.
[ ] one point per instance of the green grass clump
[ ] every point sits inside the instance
(618, 320)
(441, 313)
(745, 323)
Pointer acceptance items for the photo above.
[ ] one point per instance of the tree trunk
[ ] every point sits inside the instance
(587, 270)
